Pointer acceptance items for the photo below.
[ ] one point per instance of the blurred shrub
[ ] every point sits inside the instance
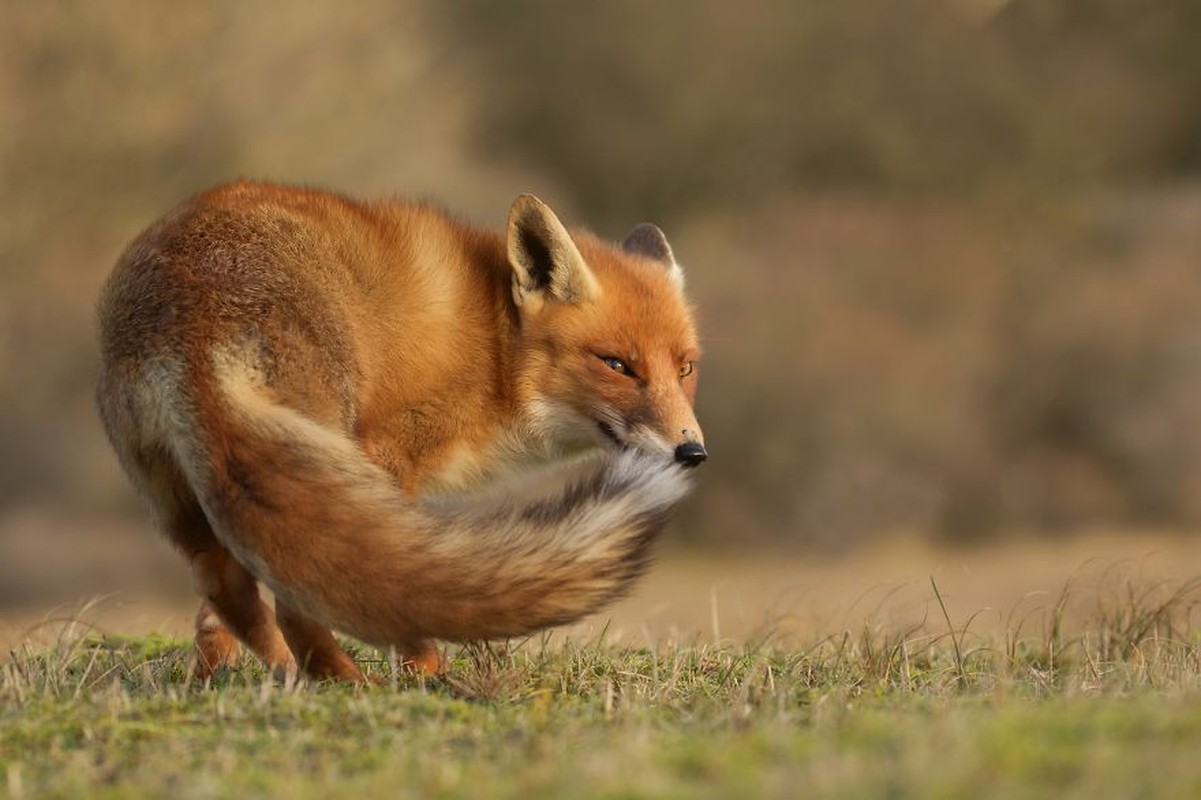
(1095, 409)
(874, 367)
(677, 105)
(945, 250)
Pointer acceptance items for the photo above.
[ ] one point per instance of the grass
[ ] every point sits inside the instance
(1112, 710)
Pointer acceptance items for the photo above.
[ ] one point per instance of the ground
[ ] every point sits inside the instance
(1068, 669)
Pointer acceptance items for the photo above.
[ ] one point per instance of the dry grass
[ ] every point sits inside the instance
(718, 679)
(1110, 711)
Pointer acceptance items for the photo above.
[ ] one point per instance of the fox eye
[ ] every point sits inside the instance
(616, 364)
(687, 369)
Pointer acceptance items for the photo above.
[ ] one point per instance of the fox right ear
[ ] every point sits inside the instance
(647, 240)
(546, 263)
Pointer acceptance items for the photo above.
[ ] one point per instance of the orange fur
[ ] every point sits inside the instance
(387, 416)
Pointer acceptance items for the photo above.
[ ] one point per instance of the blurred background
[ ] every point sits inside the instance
(946, 253)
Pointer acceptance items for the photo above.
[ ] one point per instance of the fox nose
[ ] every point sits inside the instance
(690, 454)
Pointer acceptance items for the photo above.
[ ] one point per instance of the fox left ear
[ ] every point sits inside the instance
(546, 263)
(647, 240)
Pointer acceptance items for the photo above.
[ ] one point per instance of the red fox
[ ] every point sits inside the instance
(409, 429)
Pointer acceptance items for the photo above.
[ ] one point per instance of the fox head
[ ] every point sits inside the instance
(609, 350)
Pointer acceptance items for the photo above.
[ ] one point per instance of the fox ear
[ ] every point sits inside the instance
(546, 263)
(647, 240)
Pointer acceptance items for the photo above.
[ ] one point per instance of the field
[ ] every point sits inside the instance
(1110, 715)
(699, 686)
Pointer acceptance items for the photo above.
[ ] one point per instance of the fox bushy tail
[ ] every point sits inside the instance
(302, 507)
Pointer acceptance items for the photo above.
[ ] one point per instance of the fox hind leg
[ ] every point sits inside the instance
(232, 610)
(216, 647)
(424, 657)
(231, 593)
(321, 657)
(317, 652)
